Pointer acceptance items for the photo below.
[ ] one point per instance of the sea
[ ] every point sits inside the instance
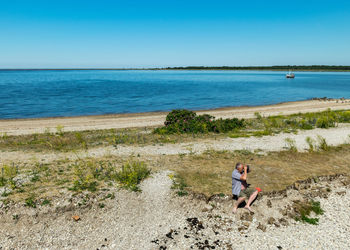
(60, 93)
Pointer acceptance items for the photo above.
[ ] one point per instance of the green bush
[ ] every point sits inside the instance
(131, 174)
(325, 122)
(185, 121)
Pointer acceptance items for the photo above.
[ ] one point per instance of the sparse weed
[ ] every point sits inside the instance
(179, 185)
(291, 145)
(322, 143)
(45, 202)
(8, 173)
(30, 201)
(4, 136)
(258, 116)
(311, 142)
(59, 130)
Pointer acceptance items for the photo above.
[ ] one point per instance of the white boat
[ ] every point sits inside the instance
(290, 75)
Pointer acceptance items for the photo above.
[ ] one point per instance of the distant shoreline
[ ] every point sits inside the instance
(312, 68)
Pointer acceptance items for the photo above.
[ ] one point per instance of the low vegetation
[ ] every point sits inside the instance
(184, 121)
(304, 210)
(178, 185)
(132, 173)
(180, 126)
(37, 183)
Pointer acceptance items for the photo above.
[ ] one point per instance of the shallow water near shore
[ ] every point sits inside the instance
(30, 94)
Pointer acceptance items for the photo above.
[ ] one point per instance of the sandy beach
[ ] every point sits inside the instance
(139, 120)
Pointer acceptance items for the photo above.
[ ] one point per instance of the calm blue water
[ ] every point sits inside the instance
(25, 94)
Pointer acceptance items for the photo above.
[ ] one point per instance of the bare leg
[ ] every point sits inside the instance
(239, 201)
(251, 198)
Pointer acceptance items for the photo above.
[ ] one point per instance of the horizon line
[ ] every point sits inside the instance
(316, 66)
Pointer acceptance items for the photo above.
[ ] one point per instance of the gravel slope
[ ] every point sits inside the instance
(156, 218)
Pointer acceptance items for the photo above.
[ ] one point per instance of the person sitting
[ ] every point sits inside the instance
(240, 188)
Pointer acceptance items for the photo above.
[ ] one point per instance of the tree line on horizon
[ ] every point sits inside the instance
(277, 67)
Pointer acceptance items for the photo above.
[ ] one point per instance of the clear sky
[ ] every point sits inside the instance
(106, 33)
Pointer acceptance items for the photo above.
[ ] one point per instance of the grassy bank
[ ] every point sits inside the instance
(208, 173)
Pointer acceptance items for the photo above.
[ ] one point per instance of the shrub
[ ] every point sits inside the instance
(185, 121)
(131, 174)
(325, 122)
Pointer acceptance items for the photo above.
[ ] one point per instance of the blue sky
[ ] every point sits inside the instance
(106, 33)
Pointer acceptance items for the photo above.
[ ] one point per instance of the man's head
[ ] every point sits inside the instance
(240, 167)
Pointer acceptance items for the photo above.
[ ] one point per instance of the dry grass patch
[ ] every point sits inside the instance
(82, 140)
(34, 181)
(210, 173)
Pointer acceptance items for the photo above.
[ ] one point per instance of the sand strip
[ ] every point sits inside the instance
(30, 126)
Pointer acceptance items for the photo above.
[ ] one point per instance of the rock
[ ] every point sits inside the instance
(207, 208)
(262, 227)
(284, 212)
(297, 185)
(283, 222)
(341, 193)
(246, 224)
(269, 204)
(76, 217)
(271, 220)
(247, 217)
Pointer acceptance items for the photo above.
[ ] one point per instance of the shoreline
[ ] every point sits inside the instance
(150, 113)
(152, 119)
